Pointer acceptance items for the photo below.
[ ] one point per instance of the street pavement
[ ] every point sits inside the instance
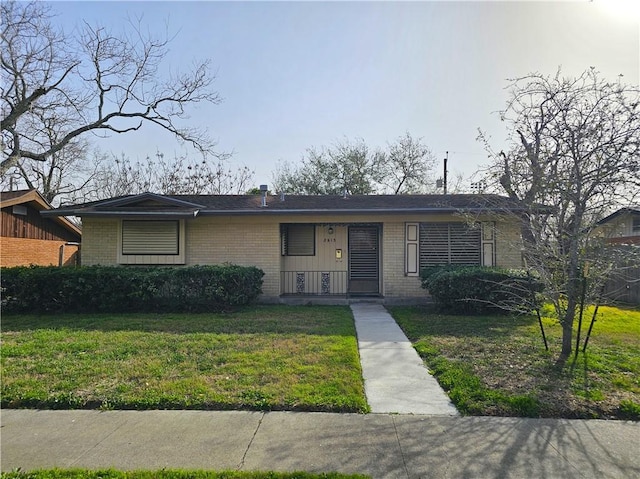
(379, 445)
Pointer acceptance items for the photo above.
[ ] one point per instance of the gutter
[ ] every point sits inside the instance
(120, 214)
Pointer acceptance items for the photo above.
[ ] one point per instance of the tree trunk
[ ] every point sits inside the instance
(567, 335)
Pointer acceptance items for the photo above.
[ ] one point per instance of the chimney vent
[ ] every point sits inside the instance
(264, 189)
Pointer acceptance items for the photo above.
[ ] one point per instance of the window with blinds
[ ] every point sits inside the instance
(298, 240)
(449, 243)
(150, 237)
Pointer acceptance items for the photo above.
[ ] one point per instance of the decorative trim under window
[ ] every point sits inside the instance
(412, 249)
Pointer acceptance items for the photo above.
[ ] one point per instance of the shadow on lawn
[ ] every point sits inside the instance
(428, 320)
(326, 320)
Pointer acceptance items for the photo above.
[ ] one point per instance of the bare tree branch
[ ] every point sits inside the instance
(97, 81)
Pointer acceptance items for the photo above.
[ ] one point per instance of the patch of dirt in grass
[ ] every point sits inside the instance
(504, 367)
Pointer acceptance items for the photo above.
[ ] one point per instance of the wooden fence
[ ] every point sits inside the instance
(624, 286)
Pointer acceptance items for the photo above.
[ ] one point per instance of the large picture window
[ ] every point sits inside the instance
(449, 243)
(298, 240)
(150, 237)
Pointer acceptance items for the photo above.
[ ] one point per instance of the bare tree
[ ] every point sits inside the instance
(95, 82)
(408, 166)
(62, 175)
(171, 176)
(575, 145)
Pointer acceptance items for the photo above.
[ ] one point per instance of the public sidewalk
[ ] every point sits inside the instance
(379, 445)
(395, 378)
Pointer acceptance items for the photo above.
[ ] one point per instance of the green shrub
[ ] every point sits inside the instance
(112, 289)
(476, 290)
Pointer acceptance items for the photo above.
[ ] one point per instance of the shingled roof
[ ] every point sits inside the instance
(149, 204)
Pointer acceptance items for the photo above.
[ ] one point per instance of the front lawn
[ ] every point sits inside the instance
(497, 365)
(264, 357)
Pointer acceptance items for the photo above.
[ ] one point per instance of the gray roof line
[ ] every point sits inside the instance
(278, 211)
(164, 214)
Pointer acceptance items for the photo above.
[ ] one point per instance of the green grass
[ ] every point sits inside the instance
(497, 365)
(168, 474)
(265, 357)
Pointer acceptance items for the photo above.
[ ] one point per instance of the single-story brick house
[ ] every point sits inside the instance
(308, 246)
(28, 238)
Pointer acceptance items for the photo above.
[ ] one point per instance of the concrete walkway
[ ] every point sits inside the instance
(395, 378)
(379, 445)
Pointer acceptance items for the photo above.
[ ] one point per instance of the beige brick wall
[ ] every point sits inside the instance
(99, 241)
(242, 240)
(508, 245)
(395, 283)
(255, 241)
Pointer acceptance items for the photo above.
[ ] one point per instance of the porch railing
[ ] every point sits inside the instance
(322, 283)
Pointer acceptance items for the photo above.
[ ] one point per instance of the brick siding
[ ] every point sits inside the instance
(255, 241)
(27, 251)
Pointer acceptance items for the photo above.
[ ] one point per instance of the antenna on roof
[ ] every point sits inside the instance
(446, 159)
(442, 182)
(263, 190)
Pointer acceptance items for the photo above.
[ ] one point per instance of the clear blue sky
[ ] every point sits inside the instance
(296, 75)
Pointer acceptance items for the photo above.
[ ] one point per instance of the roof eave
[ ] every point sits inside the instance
(357, 211)
(124, 214)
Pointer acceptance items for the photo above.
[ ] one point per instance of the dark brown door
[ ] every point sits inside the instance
(364, 265)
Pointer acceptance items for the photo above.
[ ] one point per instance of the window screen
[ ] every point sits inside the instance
(298, 240)
(449, 243)
(150, 237)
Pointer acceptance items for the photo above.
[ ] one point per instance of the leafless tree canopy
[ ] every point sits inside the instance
(58, 87)
(575, 148)
(171, 176)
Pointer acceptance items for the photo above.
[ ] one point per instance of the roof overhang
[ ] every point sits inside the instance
(39, 203)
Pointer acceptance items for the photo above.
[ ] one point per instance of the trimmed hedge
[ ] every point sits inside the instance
(476, 289)
(111, 289)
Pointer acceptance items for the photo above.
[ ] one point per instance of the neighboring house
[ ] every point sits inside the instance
(621, 231)
(339, 246)
(621, 227)
(29, 238)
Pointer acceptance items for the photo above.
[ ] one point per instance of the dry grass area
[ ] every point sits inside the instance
(497, 365)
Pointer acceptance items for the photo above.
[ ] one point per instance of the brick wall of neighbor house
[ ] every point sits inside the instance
(241, 240)
(99, 241)
(508, 245)
(27, 251)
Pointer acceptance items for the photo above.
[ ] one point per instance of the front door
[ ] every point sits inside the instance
(364, 266)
